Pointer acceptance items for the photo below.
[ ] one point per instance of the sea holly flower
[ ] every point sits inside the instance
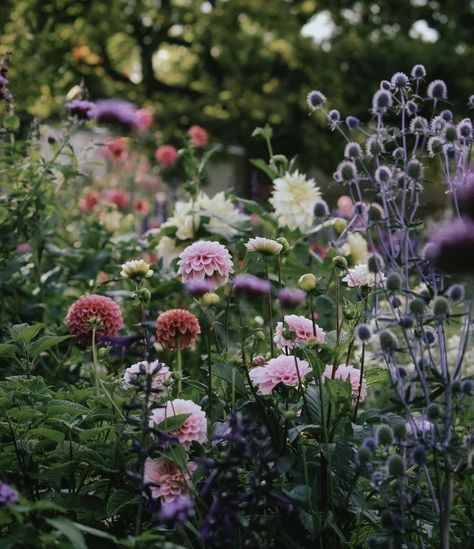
(295, 331)
(136, 269)
(194, 427)
(285, 369)
(166, 481)
(205, 260)
(293, 199)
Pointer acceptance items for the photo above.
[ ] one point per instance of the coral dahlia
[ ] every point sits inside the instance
(174, 324)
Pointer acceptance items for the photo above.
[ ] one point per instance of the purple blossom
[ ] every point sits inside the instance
(119, 344)
(81, 108)
(451, 249)
(198, 288)
(7, 494)
(177, 512)
(252, 285)
(115, 112)
(291, 298)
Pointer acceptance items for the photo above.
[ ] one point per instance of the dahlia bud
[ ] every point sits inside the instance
(284, 242)
(209, 299)
(307, 282)
(143, 295)
(340, 263)
(103, 352)
(339, 225)
(258, 360)
(395, 465)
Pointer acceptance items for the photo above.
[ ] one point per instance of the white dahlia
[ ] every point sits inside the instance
(183, 219)
(356, 247)
(224, 217)
(293, 199)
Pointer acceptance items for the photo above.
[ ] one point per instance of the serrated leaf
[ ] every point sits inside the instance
(51, 434)
(376, 375)
(172, 423)
(231, 375)
(44, 343)
(7, 350)
(24, 333)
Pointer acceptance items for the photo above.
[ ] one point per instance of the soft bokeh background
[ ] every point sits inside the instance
(232, 65)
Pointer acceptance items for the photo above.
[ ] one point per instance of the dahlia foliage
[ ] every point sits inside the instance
(185, 368)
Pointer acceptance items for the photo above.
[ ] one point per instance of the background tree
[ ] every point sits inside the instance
(234, 65)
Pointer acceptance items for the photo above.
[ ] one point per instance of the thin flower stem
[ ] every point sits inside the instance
(179, 366)
(270, 315)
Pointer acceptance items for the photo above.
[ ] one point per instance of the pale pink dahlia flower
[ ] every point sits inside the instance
(177, 324)
(296, 331)
(139, 372)
(166, 480)
(93, 307)
(205, 259)
(279, 370)
(193, 429)
(350, 374)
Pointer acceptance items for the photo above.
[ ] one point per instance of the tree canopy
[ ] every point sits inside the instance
(231, 65)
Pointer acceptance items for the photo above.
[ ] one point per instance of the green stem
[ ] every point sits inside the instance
(338, 331)
(270, 315)
(179, 365)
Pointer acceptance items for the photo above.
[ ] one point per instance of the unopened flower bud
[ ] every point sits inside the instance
(417, 306)
(284, 242)
(394, 282)
(143, 295)
(399, 429)
(307, 282)
(440, 307)
(103, 352)
(258, 360)
(209, 299)
(340, 263)
(456, 292)
(388, 342)
(339, 225)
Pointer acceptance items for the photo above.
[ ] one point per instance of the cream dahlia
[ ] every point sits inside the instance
(293, 199)
(136, 269)
(194, 427)
(265, 246)
(223, 216)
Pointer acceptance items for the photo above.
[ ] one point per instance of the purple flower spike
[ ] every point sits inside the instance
(80, 108)
(177, 512)
(290, 299)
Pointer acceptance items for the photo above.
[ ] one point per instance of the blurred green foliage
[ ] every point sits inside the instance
(231, 65)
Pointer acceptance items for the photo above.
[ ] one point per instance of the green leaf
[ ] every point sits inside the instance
(50, 434)
(94, 532)
(11, 122)
(59, 407)
(7, 350)
(70, 531)
(261, 165)
(230, 374)
(44, 343)
(172, 423)
(24, 333)
(118, 500)
(324, 305)
(376, 375)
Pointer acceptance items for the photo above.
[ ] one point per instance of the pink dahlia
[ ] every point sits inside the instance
(93, 307)
(115, 149)
(296, 331)
(143, 119)
(166, 480)
(166, 155)
(138, 373)
(279, 370)
(141, 207)
(89, 201)
(199, 136)
(177, 324)
(205, 260)
(193, 429)
(350, 374)
(118, 197)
